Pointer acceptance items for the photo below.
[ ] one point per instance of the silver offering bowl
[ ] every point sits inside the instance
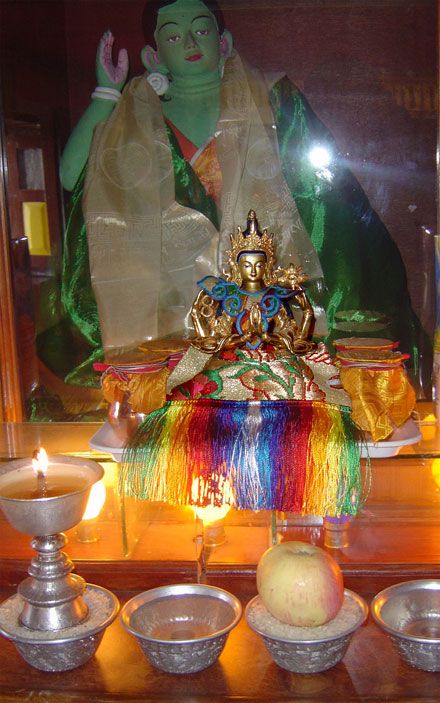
(410, 613)
(52, 599)
(308, 650)
(182, 628)
(47, 516)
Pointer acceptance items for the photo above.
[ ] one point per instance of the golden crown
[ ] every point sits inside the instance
(251, 239)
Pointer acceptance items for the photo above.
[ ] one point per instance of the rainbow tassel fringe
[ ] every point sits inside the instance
(292, 456)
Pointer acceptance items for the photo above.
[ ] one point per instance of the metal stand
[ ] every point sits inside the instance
(52, 595)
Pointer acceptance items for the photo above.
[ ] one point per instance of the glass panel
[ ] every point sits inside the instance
(404, 499)
(368, 89)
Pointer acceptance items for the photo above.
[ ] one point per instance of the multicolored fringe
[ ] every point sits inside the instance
(292, 456)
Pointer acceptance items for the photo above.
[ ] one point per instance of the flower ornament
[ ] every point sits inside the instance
(159, 82)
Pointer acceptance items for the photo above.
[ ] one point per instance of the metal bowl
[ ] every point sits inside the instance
(410, 613)
(47, 516)
(67, 648)
(308, 650)
(182, 628)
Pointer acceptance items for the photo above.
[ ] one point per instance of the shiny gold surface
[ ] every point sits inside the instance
(251, 262)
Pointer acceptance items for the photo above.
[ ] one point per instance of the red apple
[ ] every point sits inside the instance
(300, 584)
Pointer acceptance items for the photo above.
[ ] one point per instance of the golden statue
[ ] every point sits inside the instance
(252, 343)
(251, 305)
(250, 405)
(253, 327)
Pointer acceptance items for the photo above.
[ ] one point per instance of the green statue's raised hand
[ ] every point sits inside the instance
(107, 74)
(110, 81)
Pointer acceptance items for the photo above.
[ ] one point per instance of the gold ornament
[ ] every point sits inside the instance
(251, 240)
(214, 323)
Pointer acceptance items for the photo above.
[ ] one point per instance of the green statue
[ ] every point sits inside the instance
(162, 173)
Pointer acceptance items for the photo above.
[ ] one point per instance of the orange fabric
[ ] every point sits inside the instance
(206, 165)
(187, 147)
(146, 392)
(381, 400)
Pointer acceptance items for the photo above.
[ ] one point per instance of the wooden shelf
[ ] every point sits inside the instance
(394, 538)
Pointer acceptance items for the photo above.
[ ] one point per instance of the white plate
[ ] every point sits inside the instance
(406, 434)
(106, 440)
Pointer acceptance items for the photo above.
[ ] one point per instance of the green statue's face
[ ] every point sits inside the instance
(187, 38)
(252, 267)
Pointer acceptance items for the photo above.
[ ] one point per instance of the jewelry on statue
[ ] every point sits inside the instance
(251, 239)
(207, 306)
(159, 82)
(106, 93)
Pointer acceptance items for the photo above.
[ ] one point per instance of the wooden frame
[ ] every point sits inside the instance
(11, 407)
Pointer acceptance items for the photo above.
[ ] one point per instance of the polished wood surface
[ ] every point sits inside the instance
(11, 402)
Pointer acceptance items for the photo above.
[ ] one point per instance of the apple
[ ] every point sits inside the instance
(300, 584)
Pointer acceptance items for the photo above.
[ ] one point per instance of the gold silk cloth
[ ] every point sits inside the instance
(381, 399)
(256, 374)
(142, 393)
(139, 378)
(147, 251)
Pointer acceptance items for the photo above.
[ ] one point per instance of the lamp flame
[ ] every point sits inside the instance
(216, 488)
(211, 513)
(40, 462)
(95, 502)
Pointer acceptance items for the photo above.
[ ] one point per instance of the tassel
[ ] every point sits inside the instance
(333, 468)
(294, 456)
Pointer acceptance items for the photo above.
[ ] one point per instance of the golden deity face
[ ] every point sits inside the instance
(252, 268)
